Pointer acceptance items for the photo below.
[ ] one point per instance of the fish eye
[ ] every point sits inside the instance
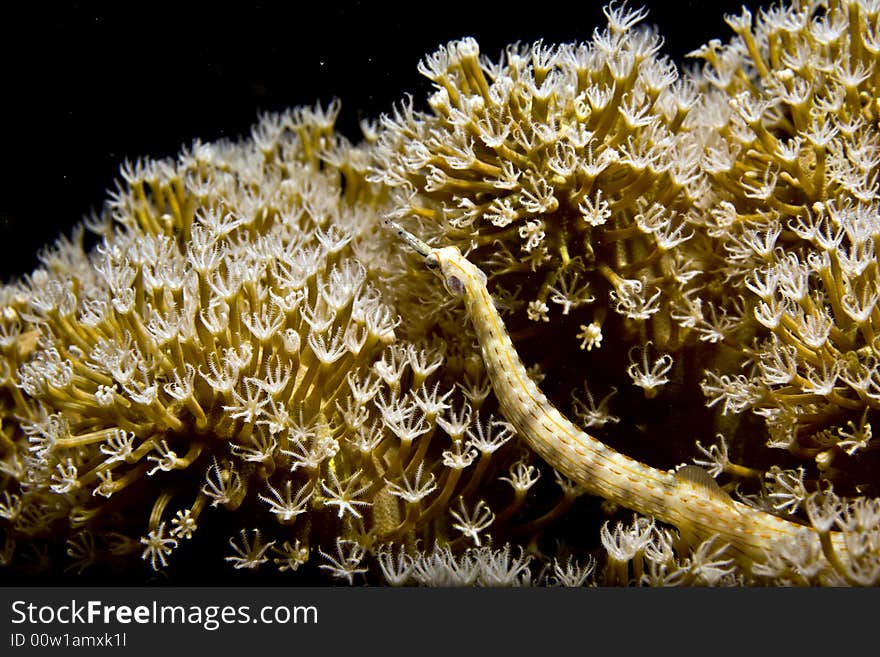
(455, 286)
(431, 261)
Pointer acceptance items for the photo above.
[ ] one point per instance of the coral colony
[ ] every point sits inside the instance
(249, 370)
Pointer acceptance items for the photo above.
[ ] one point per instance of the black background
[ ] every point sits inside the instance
(84, 86)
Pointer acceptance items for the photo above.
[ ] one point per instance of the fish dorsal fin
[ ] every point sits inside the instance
(702, 480)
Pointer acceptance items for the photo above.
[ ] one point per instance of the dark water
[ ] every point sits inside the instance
(83, 89)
